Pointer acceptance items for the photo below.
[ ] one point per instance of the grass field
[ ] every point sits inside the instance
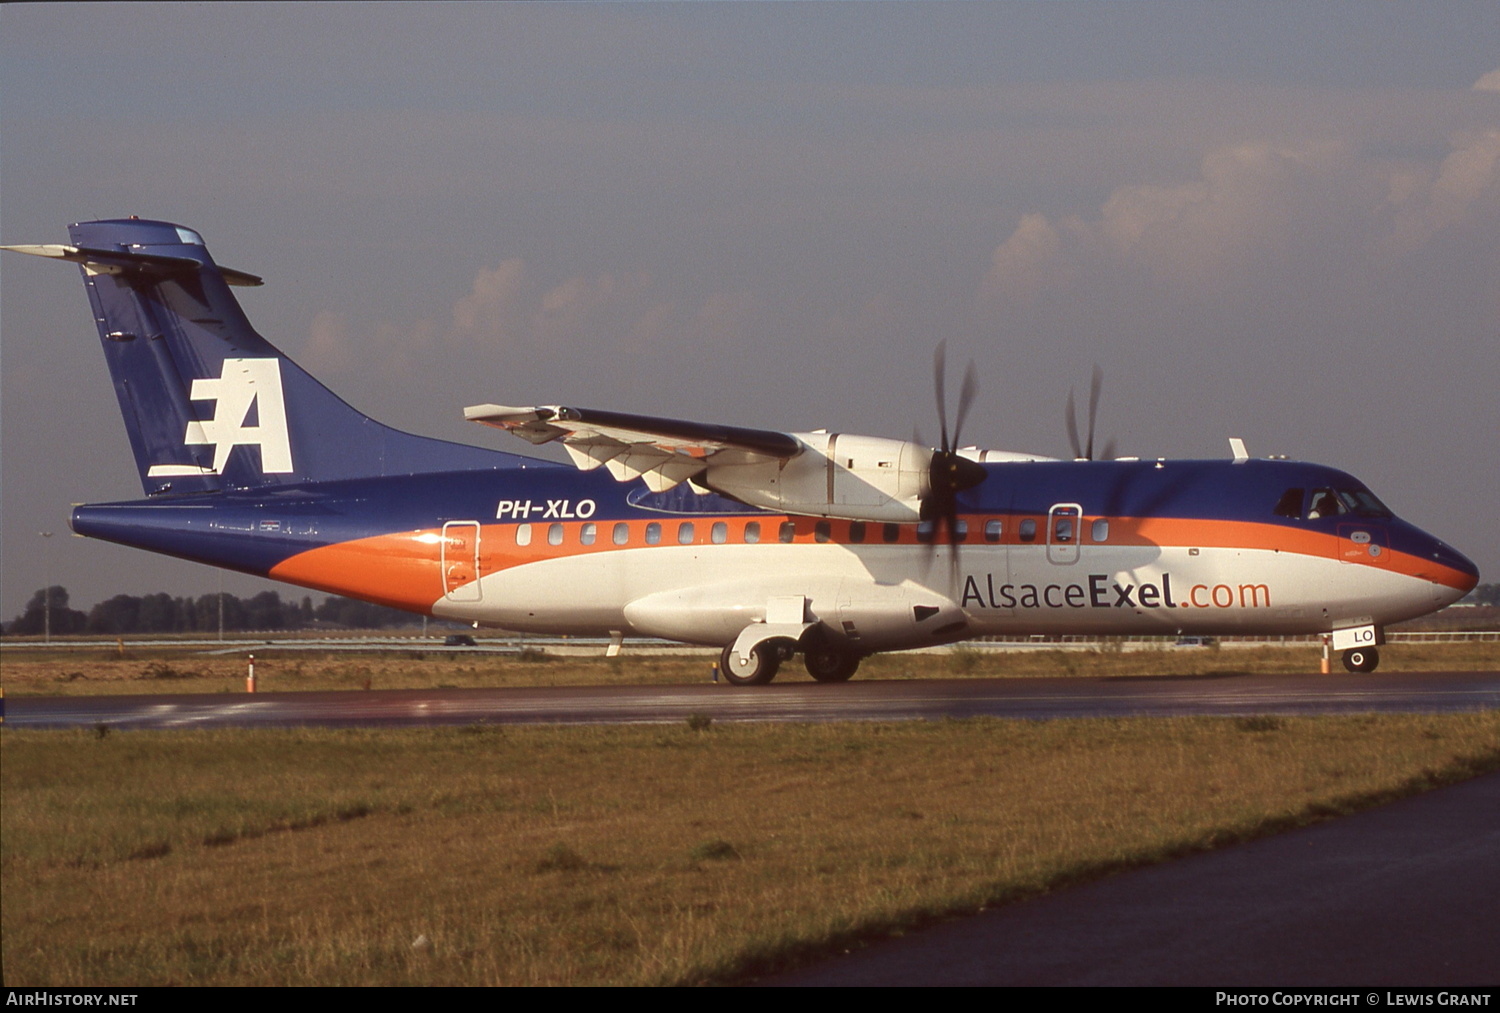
(624, 855)
(186, 670)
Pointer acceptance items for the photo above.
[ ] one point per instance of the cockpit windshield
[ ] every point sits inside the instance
(1330, 502)
(1363, 503)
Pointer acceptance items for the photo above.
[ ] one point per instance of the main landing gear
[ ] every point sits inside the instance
(1361, 659)
(828, 664)
(825, 664)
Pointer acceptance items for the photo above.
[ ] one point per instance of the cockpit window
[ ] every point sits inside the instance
(1290, 504)
(1328, 502)
(1363, 503)
(1324, 504)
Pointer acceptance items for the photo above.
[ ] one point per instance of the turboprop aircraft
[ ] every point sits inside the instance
(766, 544)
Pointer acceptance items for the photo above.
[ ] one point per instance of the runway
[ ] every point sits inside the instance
(872, 700)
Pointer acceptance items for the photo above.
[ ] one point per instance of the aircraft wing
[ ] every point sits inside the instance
(661, 452)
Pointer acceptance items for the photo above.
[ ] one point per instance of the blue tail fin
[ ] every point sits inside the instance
(209, 404)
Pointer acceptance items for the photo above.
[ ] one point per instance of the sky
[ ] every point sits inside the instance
(1272, 221)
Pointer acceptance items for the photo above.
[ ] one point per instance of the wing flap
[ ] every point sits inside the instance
(661, 452)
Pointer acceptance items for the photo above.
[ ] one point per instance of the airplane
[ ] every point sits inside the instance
(764, 544)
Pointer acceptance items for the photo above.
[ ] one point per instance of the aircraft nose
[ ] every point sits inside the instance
(1457, 564)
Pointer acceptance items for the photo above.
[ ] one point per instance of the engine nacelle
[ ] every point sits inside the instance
(864, 478)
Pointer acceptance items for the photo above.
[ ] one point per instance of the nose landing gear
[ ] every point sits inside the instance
(759, 669)
(1361, 659)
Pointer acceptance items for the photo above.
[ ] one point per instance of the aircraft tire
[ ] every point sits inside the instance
(828, 664)
(1361, 659)
(759, 670)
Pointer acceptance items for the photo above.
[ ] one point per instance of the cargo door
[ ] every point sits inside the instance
(460, 561)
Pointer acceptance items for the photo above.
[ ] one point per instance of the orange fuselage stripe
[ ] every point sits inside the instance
(405, 570)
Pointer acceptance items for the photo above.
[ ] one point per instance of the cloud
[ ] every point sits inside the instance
(1489, 82)
(1026, 263)
(327, 348)
(1464, 190)
(1257, 214)
(494, 305)
(506, 308)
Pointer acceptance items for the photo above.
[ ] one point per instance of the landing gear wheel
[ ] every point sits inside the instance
(827, 664)
(765, 658)
(1361, 659)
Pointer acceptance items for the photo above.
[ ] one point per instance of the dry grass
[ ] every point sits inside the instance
(623, 855)
(184, 670)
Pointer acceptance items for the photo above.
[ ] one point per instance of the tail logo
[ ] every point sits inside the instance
(241, 385)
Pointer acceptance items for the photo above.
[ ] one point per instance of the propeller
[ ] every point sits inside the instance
(1086, 452)
(949, 473)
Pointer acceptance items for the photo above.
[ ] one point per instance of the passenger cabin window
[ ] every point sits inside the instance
(523, 534)
(588, 533)
(822, 531)
(1027, 530)
(925, 532)
(752, 533)
(856, 531)
(993, 530)
(961, 530)
(890, 533)
(554, 534)
(1099, 532)
(1062, 530)
(787, 532)
(622, 533)
(685, 533)
(719, 533)
(653, 533)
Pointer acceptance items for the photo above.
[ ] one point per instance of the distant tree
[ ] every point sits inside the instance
(360, 615)
(117, 615)
(158, 614)
(33, 620)
(162, 613)
(1484, 594)
(265, 611)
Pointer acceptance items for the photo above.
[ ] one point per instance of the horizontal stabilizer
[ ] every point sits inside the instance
(123, 261)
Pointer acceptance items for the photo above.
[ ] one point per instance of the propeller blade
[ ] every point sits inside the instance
(1096, 383)
(948, 473)
(939, 373)
(1073, 427)
(966, 396)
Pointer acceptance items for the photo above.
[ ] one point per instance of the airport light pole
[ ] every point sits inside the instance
(47, 587)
